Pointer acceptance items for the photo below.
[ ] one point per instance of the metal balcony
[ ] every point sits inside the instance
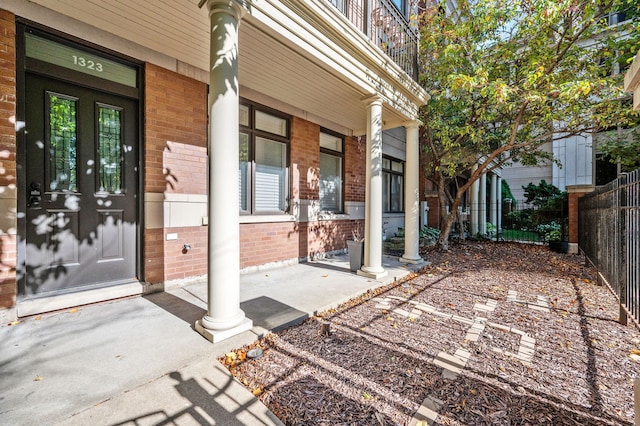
(387, 27)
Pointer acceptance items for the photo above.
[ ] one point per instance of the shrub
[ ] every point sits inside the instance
(551, 231)
(429, 236)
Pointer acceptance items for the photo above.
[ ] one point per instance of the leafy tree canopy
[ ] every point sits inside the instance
(506, 77)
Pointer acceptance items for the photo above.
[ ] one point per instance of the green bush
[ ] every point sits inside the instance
(429, 235)
(551, 231)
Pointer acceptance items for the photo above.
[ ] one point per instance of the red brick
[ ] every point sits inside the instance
(8, 245)
(175, 117)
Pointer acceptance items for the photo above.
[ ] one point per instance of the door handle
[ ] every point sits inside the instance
(35, 195)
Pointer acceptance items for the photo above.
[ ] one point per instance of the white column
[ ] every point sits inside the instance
(475, 186)
(493, 207)
(499, 223)
(372, 267)
(412, 196)
(482, 205)
(224, 318)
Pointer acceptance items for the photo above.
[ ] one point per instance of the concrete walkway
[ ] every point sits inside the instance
(138, 361)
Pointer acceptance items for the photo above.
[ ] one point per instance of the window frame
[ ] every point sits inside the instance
(388, 187)
(337, 154)
(402, 7)
(253, 134)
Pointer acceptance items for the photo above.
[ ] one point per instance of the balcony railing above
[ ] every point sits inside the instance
(387, 27)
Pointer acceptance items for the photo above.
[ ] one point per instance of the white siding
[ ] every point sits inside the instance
(518, 175)
(576, 156)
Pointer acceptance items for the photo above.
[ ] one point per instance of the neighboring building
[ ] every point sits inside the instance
(481, 204)
(632, 81)
(581, 164)
(111, 183)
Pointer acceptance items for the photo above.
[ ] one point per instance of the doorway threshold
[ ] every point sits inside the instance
(44, 304)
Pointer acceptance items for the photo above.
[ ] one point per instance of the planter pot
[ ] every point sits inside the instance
(356, 254)
(559, 246)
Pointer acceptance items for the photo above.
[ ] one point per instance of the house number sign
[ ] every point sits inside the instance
(68, 57)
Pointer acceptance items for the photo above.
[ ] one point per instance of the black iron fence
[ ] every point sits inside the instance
(513, 220)
(535, 223)
(609, 227)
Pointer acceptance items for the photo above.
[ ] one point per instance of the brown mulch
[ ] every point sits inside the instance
(376, 367)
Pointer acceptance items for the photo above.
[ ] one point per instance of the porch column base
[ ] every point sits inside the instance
(573, 248)
(416, 261)
(215, 336)
(374, 273)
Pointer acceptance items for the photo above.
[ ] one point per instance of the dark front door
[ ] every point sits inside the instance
(81, 177)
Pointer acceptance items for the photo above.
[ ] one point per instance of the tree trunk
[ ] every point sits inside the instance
(446, 220)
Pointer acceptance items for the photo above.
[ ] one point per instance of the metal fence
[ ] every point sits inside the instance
(513, 220)
(526, 222)
(609, 227)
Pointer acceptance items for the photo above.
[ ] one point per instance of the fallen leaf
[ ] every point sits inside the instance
(366, 395)
(16, 322)
(635, 351)
(73, 311)
(38, 318)
(37, 379)
(256, 392)
(325, 276)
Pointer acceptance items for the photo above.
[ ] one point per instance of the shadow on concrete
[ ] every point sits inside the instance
(272, 315)
(325, 264)
(206, 403)
(178, 307)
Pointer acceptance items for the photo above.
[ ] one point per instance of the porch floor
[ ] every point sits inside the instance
(139, 360)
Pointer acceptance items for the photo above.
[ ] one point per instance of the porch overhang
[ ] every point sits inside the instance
(303, 55)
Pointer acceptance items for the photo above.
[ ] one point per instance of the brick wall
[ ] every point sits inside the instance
(573, 216)
(262, 243)
(305, 159)
(272, 242)
(175, 162)
(326, 236)
(8, 288)
(355, 169)
(175, 132)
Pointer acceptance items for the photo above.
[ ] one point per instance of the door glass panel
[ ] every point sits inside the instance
(109, 150)
(62, 143)
(243, 175)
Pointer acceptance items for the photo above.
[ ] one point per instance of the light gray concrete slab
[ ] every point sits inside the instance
(122, 356)
(202, 393)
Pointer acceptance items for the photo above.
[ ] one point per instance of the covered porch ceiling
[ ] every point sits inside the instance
(291, 73)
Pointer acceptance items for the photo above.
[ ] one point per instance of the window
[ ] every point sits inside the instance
(264, 149)
(392, 185)
(401, 5)
(331, 172)
(606, 170)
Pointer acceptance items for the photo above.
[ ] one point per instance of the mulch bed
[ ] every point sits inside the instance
(376, 366)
